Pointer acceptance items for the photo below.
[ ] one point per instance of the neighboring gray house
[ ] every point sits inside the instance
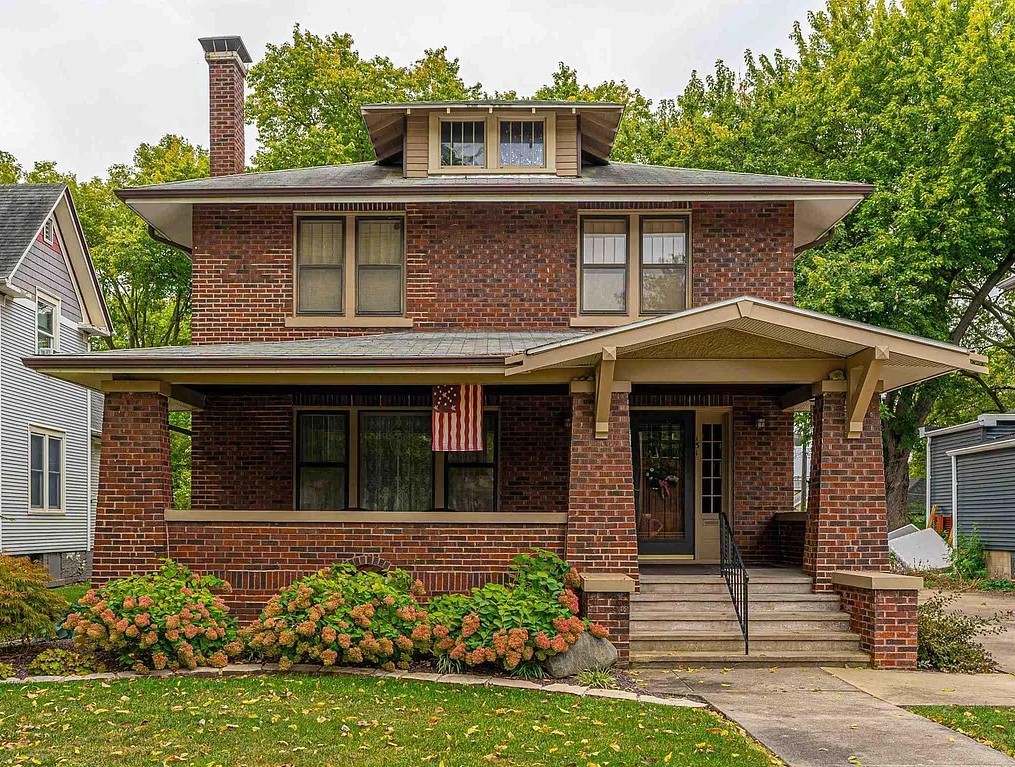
(49, 429)
(971, 476)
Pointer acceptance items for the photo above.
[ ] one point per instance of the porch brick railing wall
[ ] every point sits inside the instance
(477, 265)
(847, 516)
(886, 621)
(135, 485)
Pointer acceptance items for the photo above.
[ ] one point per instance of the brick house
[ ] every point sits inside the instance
(633, 331)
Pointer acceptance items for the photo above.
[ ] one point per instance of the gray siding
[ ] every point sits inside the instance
(29, 398)
(941, 465)
(986, 497)
(999, 431)
(46, 268)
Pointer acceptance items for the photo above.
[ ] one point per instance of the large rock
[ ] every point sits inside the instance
(588, 652)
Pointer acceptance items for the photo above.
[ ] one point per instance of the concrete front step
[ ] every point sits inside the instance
(707, 622)
(817, 643)
(757, 659)
(667, 603)
(719, 587)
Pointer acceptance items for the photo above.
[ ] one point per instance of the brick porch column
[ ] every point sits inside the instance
(135, 485)
(601, 534)
(847, 515)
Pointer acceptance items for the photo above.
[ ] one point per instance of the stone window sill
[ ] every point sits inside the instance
(399, 517)
(314, 321)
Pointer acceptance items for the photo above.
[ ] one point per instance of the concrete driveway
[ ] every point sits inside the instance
(984, 604)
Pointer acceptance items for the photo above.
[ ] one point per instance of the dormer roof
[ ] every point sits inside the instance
(597, 121)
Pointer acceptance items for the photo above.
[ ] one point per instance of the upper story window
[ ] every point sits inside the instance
(47, 320)
(522, 143)
(463, 143)
(350, 266)
(47, 231)
(621, 275)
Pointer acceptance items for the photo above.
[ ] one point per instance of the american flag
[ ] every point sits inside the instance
(458, 418)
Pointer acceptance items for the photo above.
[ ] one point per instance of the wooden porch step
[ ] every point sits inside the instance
(761, 623)
(757, 659)
(815, 642)
(720, 602)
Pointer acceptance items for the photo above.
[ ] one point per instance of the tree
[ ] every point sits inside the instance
(305, 97)
(915, 97)
(10, 170)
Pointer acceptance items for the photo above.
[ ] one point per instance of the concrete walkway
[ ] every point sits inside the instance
(810, 718)
(931, 688)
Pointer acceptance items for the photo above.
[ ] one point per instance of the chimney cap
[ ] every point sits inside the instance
(226, 44)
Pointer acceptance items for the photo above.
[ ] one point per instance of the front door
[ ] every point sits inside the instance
(663, 452)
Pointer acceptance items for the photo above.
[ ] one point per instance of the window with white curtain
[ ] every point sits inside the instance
(396, 462)
(320, 266)
(522, 144)
(380, 266)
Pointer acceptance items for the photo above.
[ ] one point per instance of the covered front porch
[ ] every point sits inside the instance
(616, 449)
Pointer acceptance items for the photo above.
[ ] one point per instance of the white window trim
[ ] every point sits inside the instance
(47, 432)
(49, 231)
(348, 316)
(42, 296)
(492, 119)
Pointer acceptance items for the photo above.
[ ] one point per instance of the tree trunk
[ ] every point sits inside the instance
(908, 411)
(897, 487)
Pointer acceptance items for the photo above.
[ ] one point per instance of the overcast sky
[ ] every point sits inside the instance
(83, 83)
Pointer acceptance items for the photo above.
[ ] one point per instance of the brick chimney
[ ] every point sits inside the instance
(227, 59)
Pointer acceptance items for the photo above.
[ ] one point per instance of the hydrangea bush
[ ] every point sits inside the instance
(515, 626)
(343, 616)
(167, 619)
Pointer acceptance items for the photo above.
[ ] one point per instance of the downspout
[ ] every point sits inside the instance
(3, 303)
(926, 500)
(156, 235)
(88, 473)
(955, 500)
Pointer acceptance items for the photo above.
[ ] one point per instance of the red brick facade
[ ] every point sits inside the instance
(847, 516)
(886, 621)
(135, 485)
(478, 265)
(225, 106)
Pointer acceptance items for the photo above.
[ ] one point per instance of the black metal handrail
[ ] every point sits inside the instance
(731, 565)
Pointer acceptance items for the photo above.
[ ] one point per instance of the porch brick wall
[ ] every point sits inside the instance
(258, 560)
(135, 486)
(476, 265)
(886, 621)
(612, 610)
(847, 516)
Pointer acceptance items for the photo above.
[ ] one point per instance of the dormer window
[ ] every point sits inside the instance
(522, 144)
(463, 143)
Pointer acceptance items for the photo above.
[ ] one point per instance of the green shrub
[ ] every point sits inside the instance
(166, 619)
(28, 610)
(515, 626)
(998, 584)
(946, 640)
(968, 560)
(6, 671)
(599, 678)
(58, 662)
(342, 616)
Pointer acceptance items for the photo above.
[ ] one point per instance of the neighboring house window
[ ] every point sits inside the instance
(322, 460)
(663, 265)
(395, 461)
(463, 143)
(380, 266)
(522, 143)
(45, 470)
(471, 478)
(604, 265)
(47, 231)
(47, 320)
(320, 266)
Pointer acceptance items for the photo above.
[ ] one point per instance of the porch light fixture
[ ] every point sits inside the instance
(759, 422)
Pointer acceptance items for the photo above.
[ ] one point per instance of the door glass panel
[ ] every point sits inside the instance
(661, 477)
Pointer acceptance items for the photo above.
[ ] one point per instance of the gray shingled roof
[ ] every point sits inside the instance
(23, 211)
(381, 346)
(381, 178)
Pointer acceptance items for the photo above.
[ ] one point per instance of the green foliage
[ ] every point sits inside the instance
(968, 559)
(28, 610)
(167, 619)
(599, 678)
(59, 662)
(946, 640)
(305, 97)
(179, 449)
(516, 625)
(343, 616)
(73, 591)
(6, 670)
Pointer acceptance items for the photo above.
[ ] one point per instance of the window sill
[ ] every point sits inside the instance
(313, 321)
(47, 513)
(396, 517)
(602, 320)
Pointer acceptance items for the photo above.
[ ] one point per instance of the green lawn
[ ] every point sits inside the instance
(74, 592)
(347, 720)
(988, 724)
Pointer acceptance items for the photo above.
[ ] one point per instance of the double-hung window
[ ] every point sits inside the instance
(604, 265)
(663, 265)
(320, 266)
(47, 319)
(322, 460)
(45, 481)
(380, 266)
(470, 482)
